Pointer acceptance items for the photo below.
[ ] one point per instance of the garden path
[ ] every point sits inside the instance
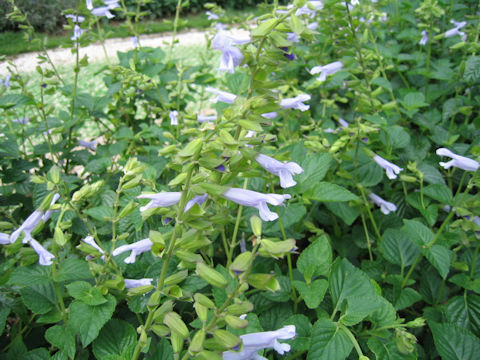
(27, 62)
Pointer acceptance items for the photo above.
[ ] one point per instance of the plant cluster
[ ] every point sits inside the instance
(311, 195)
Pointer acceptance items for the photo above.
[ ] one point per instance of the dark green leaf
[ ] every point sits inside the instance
(453, 342)
(315, 167)
(329, 342)
(31, 275)
(418, 233)
(439, 192)
(62, 338)
(117, 338)
(315, 259)
(397, 248)
(40, 299)
(312, 293)
(386, 349)
(73, 269)
(439, 256)
(324, 191)
(464, 311)
(85, 292)
(344, 211)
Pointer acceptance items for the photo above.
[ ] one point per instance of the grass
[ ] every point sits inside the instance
(14, 43)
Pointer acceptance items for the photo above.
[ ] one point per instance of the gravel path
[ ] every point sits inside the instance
(28, 62)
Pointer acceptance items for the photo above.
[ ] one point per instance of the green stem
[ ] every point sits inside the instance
(367, 237)
(233, 243)
(352, 339)
(175, 25)
(370, 215)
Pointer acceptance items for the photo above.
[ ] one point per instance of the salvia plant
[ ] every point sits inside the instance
(306, 190)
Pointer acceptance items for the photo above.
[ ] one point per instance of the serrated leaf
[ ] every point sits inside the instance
(4, 312)
(312, 293)
(162, 351)
(72, 269)
(386, 349)
(62, 338)
(407, 298)
(439, 256)
(40, 299)
(315, 167)
(380, 81)
(397, 248)
(264, 28)
(472, 69)
(418, 233)
(303, 328)
(439, 192)
(453, 342)
(324, 191)
(101, 213)
(359, 308)
(316, 259)
(464, 311)
(345, 212)
(31, 275)
(329, 342)
(15, 100)
(87, 320)
(81, 290)
(116, 339)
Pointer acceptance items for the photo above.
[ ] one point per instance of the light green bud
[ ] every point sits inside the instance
(211, 276)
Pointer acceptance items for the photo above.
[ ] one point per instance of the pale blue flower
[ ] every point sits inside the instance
(163, 199)
(199, 200)
(392, 170)
(44, 257)
(296, 102)
(257, 200)
(89, 4)
(291, 36)
(284, 171)
(77, 32)
(458, 161)
(270, 115)
(136, 248)
(310, 8)
(4, 239)
(92, 145)
(254, 342)
(231, 56)
(326, 70)
(89, 240)
(222, 96)
(385, 206)
(220, 26)
(456, 30)
(173, 117)
(22, 121)
(312, 26)
(424, 39)
(211, 16)
(6, 83)
(134, 41)
(206, 118)
(76, 18)
(134, 283)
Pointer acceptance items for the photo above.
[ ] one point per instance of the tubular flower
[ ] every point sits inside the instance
(310, 8)
(280, 169)
(163, 199)
(326, 70)
(424, 39)
(458, 161)
(254, 342)
(44, 257)
(4, 239)
(392, 170)
(231, 56)
(76, 18)
(92, 145)
(456, 30)
(199, 200)
(89, 4)
(256, 200)
(385, 206)
(133, 283)
(136, 249)
(222, 96)
(89, 240)
(173, 117)
(270, 115)
(206, 118)
(211, 16)
(296, 102)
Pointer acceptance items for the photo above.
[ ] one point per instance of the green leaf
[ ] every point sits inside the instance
(324, 191)
(386, 349)
(329, 342)
(100, 213)
(398, 138)
(291, 214)
(464, 311)
(40, 299)
(439, 256)
(348, 281)
(439, 192)
(312, 293)
(14, 100)
(418, 233)
(4, 312)
(384, 315)
(453, 342)
(81, 290)
(264, 28)
(358, 308)
(31, 275)
(472, 69)
(163, 351)
(117, 338)
(62, 338)
(431, 174)
(87, 320)
(345, 212)
(414, 100)
(407, 298)
(380, 81)
(72, 269)
(316, 259)
(315, 167)
(397, 248)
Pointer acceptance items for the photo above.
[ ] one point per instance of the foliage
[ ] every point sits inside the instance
(149, 252)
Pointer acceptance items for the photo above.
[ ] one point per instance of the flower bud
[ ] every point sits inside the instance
(240, 308)
(154, 299)
(188, 257)
(160, 330)
(202, 311)
(226, 339)
(208, 355)
(211, 276)
(162, 310)
(176, 324)
(418, 322)
(256, 224)
(276, 249)
(132, 183)
(241, 262)
(177, 342)
(203, 300)
(235, 322)
(264, 282)
(405, 341)
(176, 278)
(197, 342)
